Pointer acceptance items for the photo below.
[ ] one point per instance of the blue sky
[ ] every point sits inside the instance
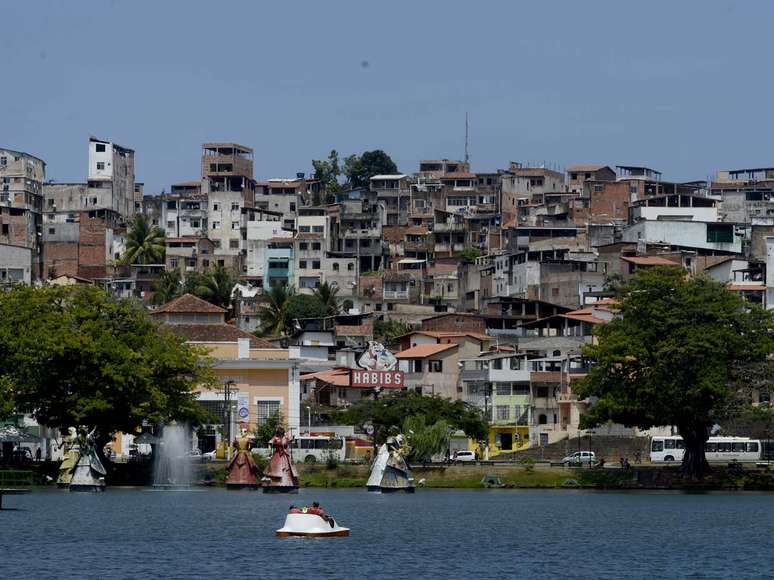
(684, 87)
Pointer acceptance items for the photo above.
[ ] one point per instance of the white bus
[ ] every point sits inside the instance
(314, 449)
(717, 449)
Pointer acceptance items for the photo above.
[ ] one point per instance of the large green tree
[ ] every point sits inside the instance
(359, 169)
(675, 356)
(145, 243)
(389, 412)
(326, 296)
(303, 306)
(77, 356)
(215, 286)
(168, 287)
(328, 171)
(273, 312)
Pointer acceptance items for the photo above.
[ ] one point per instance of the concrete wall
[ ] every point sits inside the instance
(15, 264)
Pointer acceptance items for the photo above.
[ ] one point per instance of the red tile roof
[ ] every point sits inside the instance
(361, 330)
(188, 303)
(649, 261)
(584, 168)
(216, 333)
(336, 377)
(417, 231)
(424, 350)
(451, 334)
(747, 287)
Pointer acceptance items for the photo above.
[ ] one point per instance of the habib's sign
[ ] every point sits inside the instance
(378, 369)
(386, 379)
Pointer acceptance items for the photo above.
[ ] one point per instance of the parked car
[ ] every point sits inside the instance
(22, 454)
(580, 458)
(194, 455)
(463, 456)
(208, 457)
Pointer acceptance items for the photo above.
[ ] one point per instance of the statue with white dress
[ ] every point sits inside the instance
(89, 473)
(390, 471)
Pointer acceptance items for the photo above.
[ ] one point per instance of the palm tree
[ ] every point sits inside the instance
(326, 295)
(273, 312)
(167, 287)
(144, 243)
(216, 286)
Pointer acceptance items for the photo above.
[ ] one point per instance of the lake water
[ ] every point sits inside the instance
(137, 533)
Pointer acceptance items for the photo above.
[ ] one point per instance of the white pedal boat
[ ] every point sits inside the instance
(310, 525)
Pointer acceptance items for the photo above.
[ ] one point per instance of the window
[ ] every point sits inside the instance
(724, 447)
(708, 447)
(215, 225)
(656, 446)
(720, 233)
(233, 244)
(515, 363)
(302, 265)
(100, 165)
(318, 229)
(498, 365)
(292, 206)
(266, 410)
(216, 243)
(417, 366)
(502, 412)
(599, 188)
(50, 230)
(633, 189)
(5, 230)
(173, 263)
(234, 225)
(316, 246)
(222, 263)
(503, 389)
(436, 366)
(99, 147)
(752, 447)
(216, 206)
(303, 229)
(669, 444)
(316, 264)
(335, 267)
(3, 161)
(350, 267)
(303, 246)
(196, 223)
(542, 419)
(234, 206)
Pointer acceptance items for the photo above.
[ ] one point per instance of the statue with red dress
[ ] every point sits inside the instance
(280, 471)
(242, 471)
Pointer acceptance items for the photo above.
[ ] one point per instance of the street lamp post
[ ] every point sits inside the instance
(227, 389)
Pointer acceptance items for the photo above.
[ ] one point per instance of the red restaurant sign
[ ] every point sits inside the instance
(385, 379)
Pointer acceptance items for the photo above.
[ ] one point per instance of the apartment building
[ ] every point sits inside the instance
(21, 206)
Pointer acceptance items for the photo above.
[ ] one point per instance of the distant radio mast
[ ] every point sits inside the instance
(466, 137)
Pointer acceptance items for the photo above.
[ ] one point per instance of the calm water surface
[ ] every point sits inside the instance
(136, 533)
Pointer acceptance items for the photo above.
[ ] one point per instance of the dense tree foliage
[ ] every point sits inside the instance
(303, 306)
(214, 286)
(273, 312)
(388, 332)
(359, 169)
(425, 440)
(168, 287)
(388, 413)
(675, 356)
(145, 243)
(76, 356)
(325, 294)
(328, 171)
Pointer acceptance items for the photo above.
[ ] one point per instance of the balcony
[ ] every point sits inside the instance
(446, 227)
(395, 294)
(456, 247)
(474, 375)
(363, 233)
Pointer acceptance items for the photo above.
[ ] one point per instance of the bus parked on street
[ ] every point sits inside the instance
(717, 449)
